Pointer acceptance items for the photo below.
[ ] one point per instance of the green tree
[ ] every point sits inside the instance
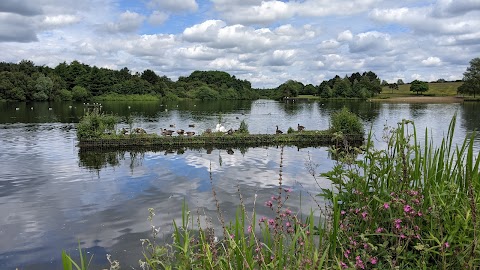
(418, 86)
(80, 93)
(471, 78)
(43, 87)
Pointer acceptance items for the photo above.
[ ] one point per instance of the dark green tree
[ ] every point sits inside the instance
(471, 78)
(418, 86)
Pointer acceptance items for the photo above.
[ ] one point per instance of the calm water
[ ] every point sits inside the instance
(52, 195)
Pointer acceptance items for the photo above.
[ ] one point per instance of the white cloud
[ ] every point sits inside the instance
(175, 5)
(432, 61)
(128, 22)
(61, 20)
(157, 17)
(345, 36)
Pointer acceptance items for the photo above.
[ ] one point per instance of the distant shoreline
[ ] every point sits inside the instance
(420, 99)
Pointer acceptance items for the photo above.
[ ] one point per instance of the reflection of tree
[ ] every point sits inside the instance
(417, 109)
(471, 121)
(368, 111)
(96, 160)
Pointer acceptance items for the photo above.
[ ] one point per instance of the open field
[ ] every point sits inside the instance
(435, 89)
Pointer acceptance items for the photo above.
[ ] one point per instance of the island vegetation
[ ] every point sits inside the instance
(25, 81)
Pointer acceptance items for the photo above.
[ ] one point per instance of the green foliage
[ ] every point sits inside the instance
(120, 97)
(243, 129)
(290, 130)
(471, 78)
(68, 263)
(66, 95)
(418, 86)
(410, 206)
(80, 93)
(346, 122)
(94, 125)
(205, 93)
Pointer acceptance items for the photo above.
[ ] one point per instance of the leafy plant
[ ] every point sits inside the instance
(94, 124)
(69, 264)
(243, 129)
(346, 122)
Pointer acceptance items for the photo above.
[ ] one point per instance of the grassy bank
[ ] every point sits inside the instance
(434, 89)
(120, 97)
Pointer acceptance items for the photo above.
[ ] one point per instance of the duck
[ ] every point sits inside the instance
(191, 125)
(278, 131)
(172, 125)
(124, 131)
(190, 133)
(230, 151)
(300, 128)
(180, 131)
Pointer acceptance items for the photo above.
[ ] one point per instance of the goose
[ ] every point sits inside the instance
(191, 125)
(140, 131)
(180, 131)
(230, 151)
(172, 125)
(166, 132)
(230, 132)
(278, 131)
(190, 133)
(124, 131)
(300, 128)
(208, 130)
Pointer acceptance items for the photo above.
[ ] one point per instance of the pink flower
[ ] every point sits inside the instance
(262, 220)
(288, 224)
(364, 215)
(359, 263)
(346, 253)
(407, 208)
(419, 214)
(402, 236)
(373, 260)
(271, 222)
(288, 212)
(386, 205)
(379, 230)
(232, 236)
(269, 203)
(343, 212)
(343, 265)
(249, 229)
(288, 190)
(446, 245)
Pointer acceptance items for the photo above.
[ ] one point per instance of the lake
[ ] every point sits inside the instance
(53, 196)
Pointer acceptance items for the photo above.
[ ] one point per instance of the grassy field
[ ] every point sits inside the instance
(434, 89)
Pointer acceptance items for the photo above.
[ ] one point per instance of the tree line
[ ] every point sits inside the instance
(25, 81)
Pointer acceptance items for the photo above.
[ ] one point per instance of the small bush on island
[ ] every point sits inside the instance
(243, 129)
(95, 124)
(346, 122)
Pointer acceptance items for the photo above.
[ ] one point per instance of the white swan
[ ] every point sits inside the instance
(220, 128)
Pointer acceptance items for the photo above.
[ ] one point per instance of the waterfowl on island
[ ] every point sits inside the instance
(124, 131)
(220, 128)
(300, 128)
(140, 131)
(278, 131)
(172, 125)
(190, 133)
(180, 131)
(166, 132)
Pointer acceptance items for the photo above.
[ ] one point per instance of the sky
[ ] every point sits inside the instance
(266, 42)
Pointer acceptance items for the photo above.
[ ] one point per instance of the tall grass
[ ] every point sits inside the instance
(411, 205)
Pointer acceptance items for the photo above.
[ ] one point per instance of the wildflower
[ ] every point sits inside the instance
(397, 223)
(346, 253)
(373, 260)
(288, 212)
(288, 190)
(269, 204)
(364, 215)
(419, 214)
(249, 229)
(262, 220)
(446, 245)
(416, 228)
(359, 263)
(343, 265)
(232, 236)
(271, 222)
(288, 224)
(379, 230)
(407, 208)
(343, 212)
(386, 205)
(402, 236)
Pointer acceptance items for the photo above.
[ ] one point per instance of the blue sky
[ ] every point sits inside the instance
(266, 42)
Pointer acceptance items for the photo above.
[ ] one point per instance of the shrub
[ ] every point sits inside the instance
(243, 129)
(290, 130)
(95, 124)
(346, 122)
